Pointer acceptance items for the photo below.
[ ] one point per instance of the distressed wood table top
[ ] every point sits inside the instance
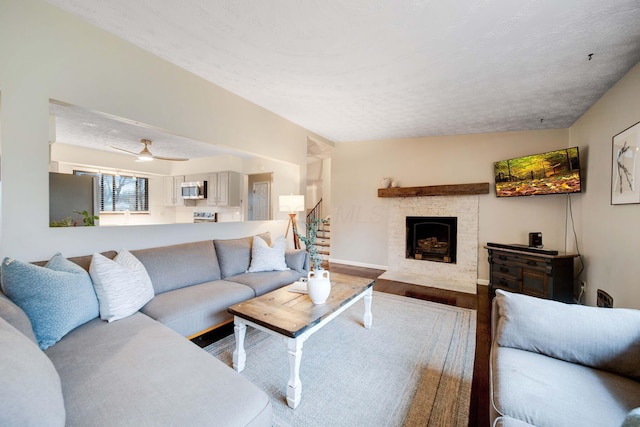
(290, 313)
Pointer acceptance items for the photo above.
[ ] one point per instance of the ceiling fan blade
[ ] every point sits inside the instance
(122, 149)
(173, 159)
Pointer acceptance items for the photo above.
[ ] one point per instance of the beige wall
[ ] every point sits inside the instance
(45, 54)
(360, 218)
(326, 187)
(609, 235)
(48, 54)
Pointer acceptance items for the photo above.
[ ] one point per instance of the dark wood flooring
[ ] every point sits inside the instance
(479, 407)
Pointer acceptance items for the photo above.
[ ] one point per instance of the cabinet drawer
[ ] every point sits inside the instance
(524, 261)
(510, 283)
(508, 269)
(519, 260)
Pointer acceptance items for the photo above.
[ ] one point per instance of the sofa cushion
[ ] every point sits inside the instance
(138, 372)
(31, 394)
(296, 260)
(83, 261)
(267, 281)
(57, 298)
(195, 308)
(234, 255)
(122, 285)
(544, 391)
(268, 258)
(177, 266)
(570, 332)
(16, 317)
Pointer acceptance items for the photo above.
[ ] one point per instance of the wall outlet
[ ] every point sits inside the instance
(604, 299)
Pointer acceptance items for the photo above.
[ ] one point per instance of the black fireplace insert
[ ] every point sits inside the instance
(432, 238)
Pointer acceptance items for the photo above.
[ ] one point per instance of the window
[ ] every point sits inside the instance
(119, 193)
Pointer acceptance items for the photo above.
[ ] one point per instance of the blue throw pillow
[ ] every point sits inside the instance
(57, 298)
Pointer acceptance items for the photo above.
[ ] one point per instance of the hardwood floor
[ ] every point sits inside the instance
(479, 407)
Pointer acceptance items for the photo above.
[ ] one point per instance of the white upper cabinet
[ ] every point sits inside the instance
(173, 191)
(224, 189)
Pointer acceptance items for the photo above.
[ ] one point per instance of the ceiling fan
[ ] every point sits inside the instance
(145, 155)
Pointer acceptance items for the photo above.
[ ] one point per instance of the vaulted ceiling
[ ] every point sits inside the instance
(370, 69)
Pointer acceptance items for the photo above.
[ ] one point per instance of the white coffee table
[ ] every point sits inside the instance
(294, 318)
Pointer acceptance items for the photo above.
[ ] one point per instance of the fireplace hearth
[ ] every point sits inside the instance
(461, 275)
(431, 238)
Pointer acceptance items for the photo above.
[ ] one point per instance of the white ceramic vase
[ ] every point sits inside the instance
(318, 286)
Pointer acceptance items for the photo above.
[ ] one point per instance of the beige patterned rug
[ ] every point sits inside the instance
(413, 367)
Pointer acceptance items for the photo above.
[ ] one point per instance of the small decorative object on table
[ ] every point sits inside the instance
(318, 284)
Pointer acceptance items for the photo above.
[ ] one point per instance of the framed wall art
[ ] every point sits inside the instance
(625, 167)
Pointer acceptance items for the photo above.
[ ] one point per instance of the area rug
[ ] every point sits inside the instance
(414, 367)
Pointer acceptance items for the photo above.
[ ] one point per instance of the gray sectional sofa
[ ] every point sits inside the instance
(141, 370)
(556, 364)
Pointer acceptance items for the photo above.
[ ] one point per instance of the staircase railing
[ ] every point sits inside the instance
(315, 213)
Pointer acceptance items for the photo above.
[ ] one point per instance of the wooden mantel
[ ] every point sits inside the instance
(436, 190)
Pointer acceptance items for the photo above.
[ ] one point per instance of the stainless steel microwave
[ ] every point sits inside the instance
(194, 190)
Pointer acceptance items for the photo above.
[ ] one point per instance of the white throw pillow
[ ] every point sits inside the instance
(123, 285)
(265, 258)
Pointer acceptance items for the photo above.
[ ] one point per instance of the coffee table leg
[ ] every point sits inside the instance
(294, 386)
(239, 355)
(368, 318)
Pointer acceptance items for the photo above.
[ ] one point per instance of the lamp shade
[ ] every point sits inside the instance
(292, 203)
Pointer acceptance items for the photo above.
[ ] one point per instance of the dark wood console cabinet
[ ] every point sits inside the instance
(539, 275)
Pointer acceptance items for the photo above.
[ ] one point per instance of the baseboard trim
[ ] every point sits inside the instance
(357, 264)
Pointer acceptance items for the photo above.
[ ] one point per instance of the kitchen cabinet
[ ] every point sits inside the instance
(540, 275)
(225, 189)
(173, 191)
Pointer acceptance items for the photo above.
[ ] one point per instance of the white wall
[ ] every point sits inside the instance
(326, 187)
(608, 235)
(45, 54)
(315, 184)
(359, 219)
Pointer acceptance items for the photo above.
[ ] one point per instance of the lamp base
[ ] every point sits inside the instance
(292, 224)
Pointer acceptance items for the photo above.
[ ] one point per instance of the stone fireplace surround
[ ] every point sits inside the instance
(462, 275)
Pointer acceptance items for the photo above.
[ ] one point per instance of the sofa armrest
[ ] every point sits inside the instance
(602, 338)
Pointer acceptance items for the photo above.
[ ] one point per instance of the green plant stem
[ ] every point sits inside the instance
(310, 242)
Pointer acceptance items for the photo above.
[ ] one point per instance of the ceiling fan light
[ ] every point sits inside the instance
(145, 158)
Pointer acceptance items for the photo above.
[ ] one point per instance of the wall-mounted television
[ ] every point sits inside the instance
(555, 172)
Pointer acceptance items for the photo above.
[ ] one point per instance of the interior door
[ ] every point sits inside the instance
(261, 201)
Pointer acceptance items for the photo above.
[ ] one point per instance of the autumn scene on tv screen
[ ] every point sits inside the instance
(548, 173)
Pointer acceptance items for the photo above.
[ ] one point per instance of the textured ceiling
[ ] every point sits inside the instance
(85, 128)
(370, 69)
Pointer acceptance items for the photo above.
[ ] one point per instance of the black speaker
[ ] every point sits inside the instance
(535, 240)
